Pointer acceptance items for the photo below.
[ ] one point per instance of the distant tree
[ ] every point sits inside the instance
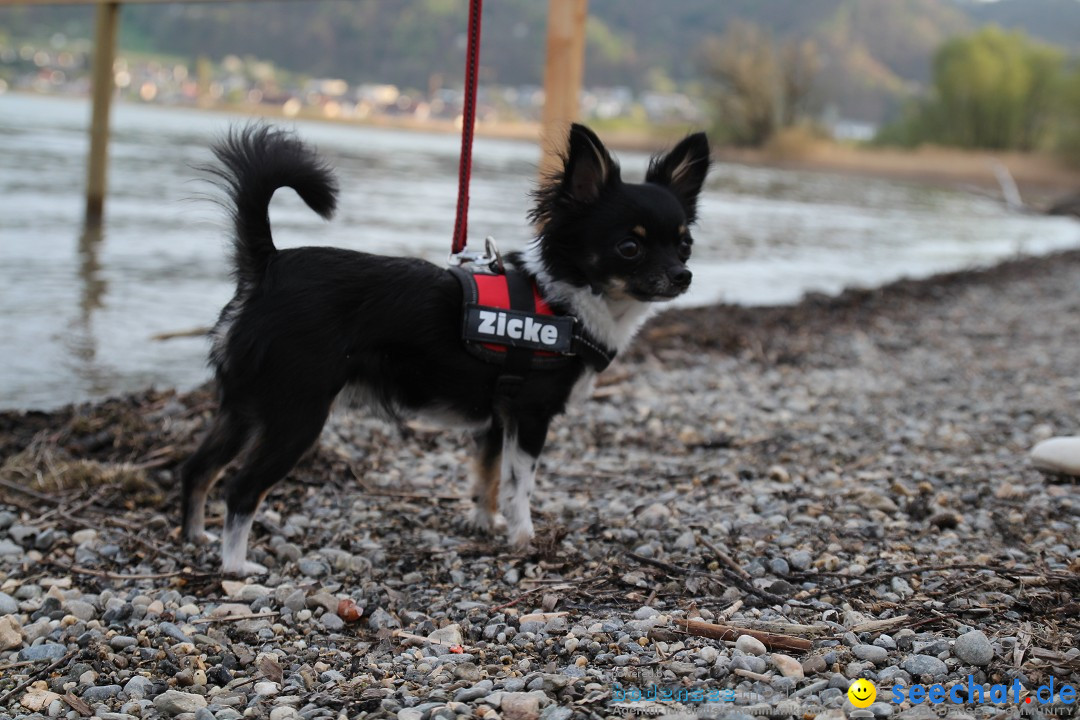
(1069, 129)
(991, 89)
(758, 86)
(996, 89)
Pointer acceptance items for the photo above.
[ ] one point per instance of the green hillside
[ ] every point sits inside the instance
(874, 52)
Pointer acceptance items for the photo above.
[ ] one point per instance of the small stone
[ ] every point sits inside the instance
(800, 560)
(872, 653)
(38, 697)
(919, 665)
(267, 688)
(296, 600)
(788, 666)
(101, 693)
(645, 612)
(1060, 455)
(174, 632)
(901, 587)
(8, 605)
(708, 654)
(556, 712)
(312, 568)
(284, 712)
(750, 645)
(779, 473)
(520, 706)
(479, 690)
(45, 651)
(122, 642)
(974, 648)
(246, 592)
(779, 566)
(174, 702)
(753, 663)
(814, 664)
(881, 709)
(10, 633)
(332, 622)
(81, 609)
(138, 687)
(382, 620)
(449, 635)
(349, 611)
(874, 500)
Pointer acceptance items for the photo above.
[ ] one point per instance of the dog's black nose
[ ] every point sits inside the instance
(681, 278)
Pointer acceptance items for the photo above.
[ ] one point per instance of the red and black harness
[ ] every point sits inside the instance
(506, 321)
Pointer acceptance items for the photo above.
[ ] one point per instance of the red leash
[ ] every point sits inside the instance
(472, 64)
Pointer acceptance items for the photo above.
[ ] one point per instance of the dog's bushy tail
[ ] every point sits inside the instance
(255, 160)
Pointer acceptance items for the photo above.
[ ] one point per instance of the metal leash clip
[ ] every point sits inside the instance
(490, 258)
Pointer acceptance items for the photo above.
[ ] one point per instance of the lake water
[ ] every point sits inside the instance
(77, 314)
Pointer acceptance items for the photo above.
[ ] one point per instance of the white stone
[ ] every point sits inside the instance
(1057, 455)
(787, 665)
(520, 706)
(267, 688)
(10, 633)
(38, 697)
(449, 635)
(750, 645)
(174, 702)
(243, 591)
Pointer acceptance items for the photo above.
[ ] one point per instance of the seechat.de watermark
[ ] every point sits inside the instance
(1061, 695)
(1051, 698)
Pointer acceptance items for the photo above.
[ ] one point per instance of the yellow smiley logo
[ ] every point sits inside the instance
(861, 693)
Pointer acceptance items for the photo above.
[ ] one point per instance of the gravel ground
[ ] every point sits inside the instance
(848, 474)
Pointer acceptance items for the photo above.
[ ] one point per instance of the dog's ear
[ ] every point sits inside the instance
(588, 167)
(683, 171)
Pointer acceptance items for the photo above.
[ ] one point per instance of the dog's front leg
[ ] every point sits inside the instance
(522, 443)
(486, 463)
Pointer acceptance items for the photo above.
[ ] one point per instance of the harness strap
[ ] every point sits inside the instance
(595, 354)
(522, 298)
(518, 359)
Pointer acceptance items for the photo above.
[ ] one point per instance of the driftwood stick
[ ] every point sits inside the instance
(773, 641)
(411, 637)
(913, 571)
(192, 332)
(234, 618)
(723, 557)
(35, 675)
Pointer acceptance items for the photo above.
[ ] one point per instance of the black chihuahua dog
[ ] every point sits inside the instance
(312, 324)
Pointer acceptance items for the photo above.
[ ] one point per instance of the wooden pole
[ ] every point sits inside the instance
(106, 23)
(563, 74)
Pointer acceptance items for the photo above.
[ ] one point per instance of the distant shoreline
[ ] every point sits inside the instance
(1039, 176)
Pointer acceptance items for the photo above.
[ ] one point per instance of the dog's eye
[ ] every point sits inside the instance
(629, 248)
(684, 250)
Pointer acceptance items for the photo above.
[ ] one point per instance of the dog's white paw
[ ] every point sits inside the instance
(521, 536)
(245, 569)
(203, 538)
(480, 521)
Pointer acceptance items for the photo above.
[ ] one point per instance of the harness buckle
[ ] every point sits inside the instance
(490, 258)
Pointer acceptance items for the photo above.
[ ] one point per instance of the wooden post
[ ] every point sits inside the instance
(106, 22)
(563, 74)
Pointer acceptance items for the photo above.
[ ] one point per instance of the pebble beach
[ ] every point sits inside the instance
(757, 507)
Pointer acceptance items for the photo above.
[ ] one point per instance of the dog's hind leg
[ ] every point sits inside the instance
(222, 443)
(273, 455)
(485, 490)
(522, 445)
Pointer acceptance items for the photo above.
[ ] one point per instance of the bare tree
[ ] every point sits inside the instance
(759, 87)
